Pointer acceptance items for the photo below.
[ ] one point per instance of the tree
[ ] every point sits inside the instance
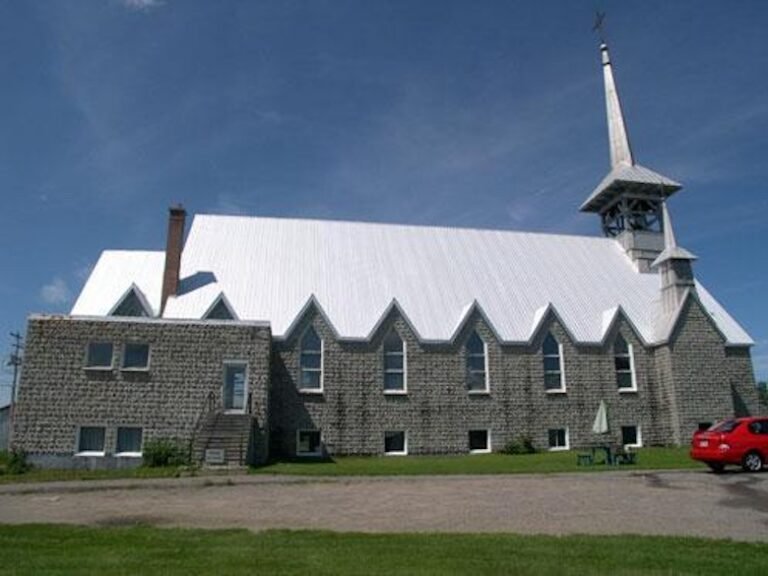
(762, 392)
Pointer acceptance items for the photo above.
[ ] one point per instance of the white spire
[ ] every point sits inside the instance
(621, 153)
(671, 250)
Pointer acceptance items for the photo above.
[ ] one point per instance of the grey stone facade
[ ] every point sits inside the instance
(58, 395)
(679, 385)
(691, 379)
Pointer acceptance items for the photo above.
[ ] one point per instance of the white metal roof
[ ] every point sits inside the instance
(114, 275)
(625, 174)
(270, 269)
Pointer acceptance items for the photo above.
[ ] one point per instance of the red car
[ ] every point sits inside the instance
(740, 441)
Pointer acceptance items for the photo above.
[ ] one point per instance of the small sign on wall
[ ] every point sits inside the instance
(214, 456)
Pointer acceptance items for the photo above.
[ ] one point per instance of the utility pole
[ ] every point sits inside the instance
(15, 361)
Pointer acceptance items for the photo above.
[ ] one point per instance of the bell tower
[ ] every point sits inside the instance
(629, 199)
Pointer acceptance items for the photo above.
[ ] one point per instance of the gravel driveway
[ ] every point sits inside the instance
(694, 503)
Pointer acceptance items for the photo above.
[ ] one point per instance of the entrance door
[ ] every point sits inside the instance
(235, 386)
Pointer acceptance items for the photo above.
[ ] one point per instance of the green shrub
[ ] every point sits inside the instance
(164, 452)
(17, 462)
(521, 445)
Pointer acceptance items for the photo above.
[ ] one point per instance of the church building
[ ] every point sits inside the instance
(256, 338)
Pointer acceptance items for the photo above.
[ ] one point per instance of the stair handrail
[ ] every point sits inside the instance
(209, 405)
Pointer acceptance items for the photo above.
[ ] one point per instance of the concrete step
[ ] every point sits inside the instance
(226, 437)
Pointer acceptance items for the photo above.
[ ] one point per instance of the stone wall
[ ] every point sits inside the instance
(353, 412)
(691, 379)
(703, 380)
(57, 394)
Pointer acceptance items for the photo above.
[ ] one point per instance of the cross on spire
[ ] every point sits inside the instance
(598, 25)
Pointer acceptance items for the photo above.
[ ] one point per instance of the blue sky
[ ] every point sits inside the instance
(480, 114)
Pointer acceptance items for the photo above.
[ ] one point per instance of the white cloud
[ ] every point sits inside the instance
(55, 292)
(141, 4)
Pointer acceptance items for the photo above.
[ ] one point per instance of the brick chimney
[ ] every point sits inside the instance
(176, 217)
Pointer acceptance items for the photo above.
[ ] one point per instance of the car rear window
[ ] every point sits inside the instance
(725, 426)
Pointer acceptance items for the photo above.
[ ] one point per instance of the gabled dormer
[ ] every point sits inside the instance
(220, 309)
(132, 303)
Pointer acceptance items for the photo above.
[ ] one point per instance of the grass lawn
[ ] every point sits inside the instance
(545, 462)
(56, 549)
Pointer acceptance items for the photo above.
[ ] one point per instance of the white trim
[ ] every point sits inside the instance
(78, 433)
(404, 390)
(561, 364)
(117, 439)
(563, 386)
(567, 440)
(136, 369)
(322, 364)
(632, 371)
(488, 449)
(638, 433)
(152, 320)
(486, 376)
(404, 451)
(319, 451)
(235, 362)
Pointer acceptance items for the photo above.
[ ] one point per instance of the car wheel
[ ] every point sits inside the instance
(716, 467)
(752, 462)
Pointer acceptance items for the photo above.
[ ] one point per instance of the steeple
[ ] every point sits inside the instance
(621, 153)
(675, 266)
(629, 199)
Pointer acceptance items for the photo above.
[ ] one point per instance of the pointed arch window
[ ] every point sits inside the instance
(311, 377)
(624, 362)
(552, 351)
(476, 363)
(395, 375)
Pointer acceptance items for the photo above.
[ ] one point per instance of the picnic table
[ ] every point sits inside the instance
(608, 454)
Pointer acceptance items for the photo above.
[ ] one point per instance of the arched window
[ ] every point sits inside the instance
(394, 364)
(553, 364)
(625, 365)
(311, 361)
(477, 367)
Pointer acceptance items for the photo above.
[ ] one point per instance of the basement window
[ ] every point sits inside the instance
(309, 443)
(135, 357)
(99, 356)
(90, 441)
(395, 443)
(479, 441)
(129, 441)
(630, 437)
(558, 439)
